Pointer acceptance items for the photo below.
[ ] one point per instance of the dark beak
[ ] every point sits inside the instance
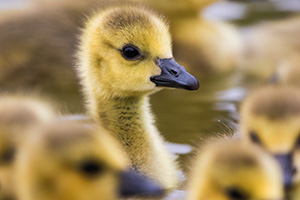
(136, 185)
(174, 75)
(286, 164)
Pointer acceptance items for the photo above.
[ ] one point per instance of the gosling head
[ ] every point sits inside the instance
(229, 170)
(270, 118)
(71, 161)
(126, 51)
(19, 116)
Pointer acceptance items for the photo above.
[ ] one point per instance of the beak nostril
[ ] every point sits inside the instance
(174, 75)
(173, 72)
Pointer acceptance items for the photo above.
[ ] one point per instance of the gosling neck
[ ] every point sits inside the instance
(123, 116)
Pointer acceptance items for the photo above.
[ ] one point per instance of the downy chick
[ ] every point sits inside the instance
(125, 55)
(19, 117)
(270, 118)
(229, 170)
(71, 161)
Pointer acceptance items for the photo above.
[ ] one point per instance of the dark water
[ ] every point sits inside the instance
(185, 116)
(189, 117)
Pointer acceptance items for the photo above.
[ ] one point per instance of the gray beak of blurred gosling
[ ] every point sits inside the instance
(134, 184)
(174, 75)
(286, 164)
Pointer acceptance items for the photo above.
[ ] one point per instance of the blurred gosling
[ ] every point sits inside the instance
(270, 118)
(125, 55)
(272, 48)
(69, 161)
(174, 9)
(37, 48)
(206, 46)
(19, 116)
(230, 170)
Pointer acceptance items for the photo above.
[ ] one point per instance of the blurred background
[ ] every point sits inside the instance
(231, 46)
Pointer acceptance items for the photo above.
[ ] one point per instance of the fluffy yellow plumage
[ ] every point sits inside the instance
(70, 161)
(19, 117)
(125, 55)
(272, 48)
(228, 169)
(101, 63)
(270, 118)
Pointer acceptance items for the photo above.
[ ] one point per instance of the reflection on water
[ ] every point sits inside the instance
(179, 148)
(225, 11)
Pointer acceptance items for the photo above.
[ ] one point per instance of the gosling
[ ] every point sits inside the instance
(19, 116)
(270, 119)
(70, 161)
(272, 48)
(230, 170)
(125, 55)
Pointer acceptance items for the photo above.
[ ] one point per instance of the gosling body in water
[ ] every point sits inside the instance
(125, 55)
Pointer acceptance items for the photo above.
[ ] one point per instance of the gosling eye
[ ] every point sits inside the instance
(131, 52)
(236, 194)
(8, 156)
(91, 168)
(254, 138)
